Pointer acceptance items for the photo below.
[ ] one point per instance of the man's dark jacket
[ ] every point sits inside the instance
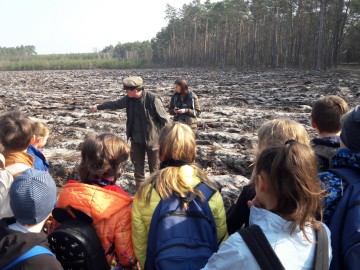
(153, 115)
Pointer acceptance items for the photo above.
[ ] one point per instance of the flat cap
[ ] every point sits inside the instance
(133, 82)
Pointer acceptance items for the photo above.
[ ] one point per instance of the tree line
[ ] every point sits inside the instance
(241, 33)
(260, 33)
(127, 55)
(19, 51)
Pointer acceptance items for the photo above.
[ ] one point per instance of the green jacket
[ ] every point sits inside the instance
(190, 102)
(142, 214)
(153, 115)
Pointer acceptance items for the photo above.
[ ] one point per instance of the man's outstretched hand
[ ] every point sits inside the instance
(94, 108)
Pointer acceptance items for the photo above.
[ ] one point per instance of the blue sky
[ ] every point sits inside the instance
(71, 26)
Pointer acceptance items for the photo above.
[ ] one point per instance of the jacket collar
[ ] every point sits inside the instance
(269, 221)
(333, 141)
(18, 157)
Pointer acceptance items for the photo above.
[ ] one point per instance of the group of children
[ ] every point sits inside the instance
(177, 218)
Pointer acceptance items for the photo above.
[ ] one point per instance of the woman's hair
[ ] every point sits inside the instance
(292, 172)
(278, 131)
(41, 129)
(101, 157)
(184, 86)
(176, 143)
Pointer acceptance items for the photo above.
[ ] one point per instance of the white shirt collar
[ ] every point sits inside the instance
(32, 229)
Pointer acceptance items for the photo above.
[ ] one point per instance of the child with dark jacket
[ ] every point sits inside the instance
(341, 205)
(325, 119)
(32, 198)
(347, 156)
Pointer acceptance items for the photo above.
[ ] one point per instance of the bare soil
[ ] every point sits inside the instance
(234, 103)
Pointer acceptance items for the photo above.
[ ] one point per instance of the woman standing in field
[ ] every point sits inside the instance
(184, 105)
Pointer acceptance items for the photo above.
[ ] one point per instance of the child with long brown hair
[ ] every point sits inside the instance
(98, 196)
(287, 188)
(178, 174)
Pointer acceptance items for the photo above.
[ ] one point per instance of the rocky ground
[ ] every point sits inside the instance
(234, 102)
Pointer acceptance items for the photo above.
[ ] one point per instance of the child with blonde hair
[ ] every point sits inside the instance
(273, 132)
(41, 133)
(285, 228)
(178, 182)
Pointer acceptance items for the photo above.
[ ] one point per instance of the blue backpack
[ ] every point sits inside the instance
(182, 238)
(345, 223)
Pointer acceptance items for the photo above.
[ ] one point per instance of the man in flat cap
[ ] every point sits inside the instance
(146, 115)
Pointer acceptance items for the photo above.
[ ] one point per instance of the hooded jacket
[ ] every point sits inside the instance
(333, 184)
(40, 162)
(111, 214)
(142, 215)
(325, 149)
(14, 244)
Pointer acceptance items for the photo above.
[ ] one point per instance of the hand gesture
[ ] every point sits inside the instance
(93, 109)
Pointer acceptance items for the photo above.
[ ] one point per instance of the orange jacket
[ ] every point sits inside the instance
(111, 213)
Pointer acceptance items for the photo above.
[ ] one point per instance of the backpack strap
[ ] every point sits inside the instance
(35, 251)
(205, 190)
(322, 250)
(260, 248)
(350, 175)
(17, 168)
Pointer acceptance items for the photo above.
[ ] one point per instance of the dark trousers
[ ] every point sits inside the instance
(138, 151)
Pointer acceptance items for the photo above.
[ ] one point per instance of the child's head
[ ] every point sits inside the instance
(177, 148)
(287, 183)
(278, 131)
(32, 197)
(101, 157)
(326, 114)
(16, 131)
(350, 132)
(41, 132)
(177, 142)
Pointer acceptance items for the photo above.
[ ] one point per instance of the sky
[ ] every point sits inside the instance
(74, 26)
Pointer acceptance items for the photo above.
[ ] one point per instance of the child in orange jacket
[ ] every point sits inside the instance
(98, 196)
